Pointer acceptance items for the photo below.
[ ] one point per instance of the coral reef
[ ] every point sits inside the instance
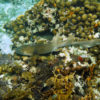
(70, 73)
(77, 17)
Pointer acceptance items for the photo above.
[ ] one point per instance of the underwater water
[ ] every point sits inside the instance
(9, 10)
(49, 49)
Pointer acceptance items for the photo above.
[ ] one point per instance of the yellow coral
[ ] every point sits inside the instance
(54, 5)
(19, 17)
(41, 2)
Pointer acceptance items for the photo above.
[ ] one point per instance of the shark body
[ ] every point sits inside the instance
(55, 43)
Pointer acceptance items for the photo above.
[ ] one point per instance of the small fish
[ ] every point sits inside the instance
(55, 43)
